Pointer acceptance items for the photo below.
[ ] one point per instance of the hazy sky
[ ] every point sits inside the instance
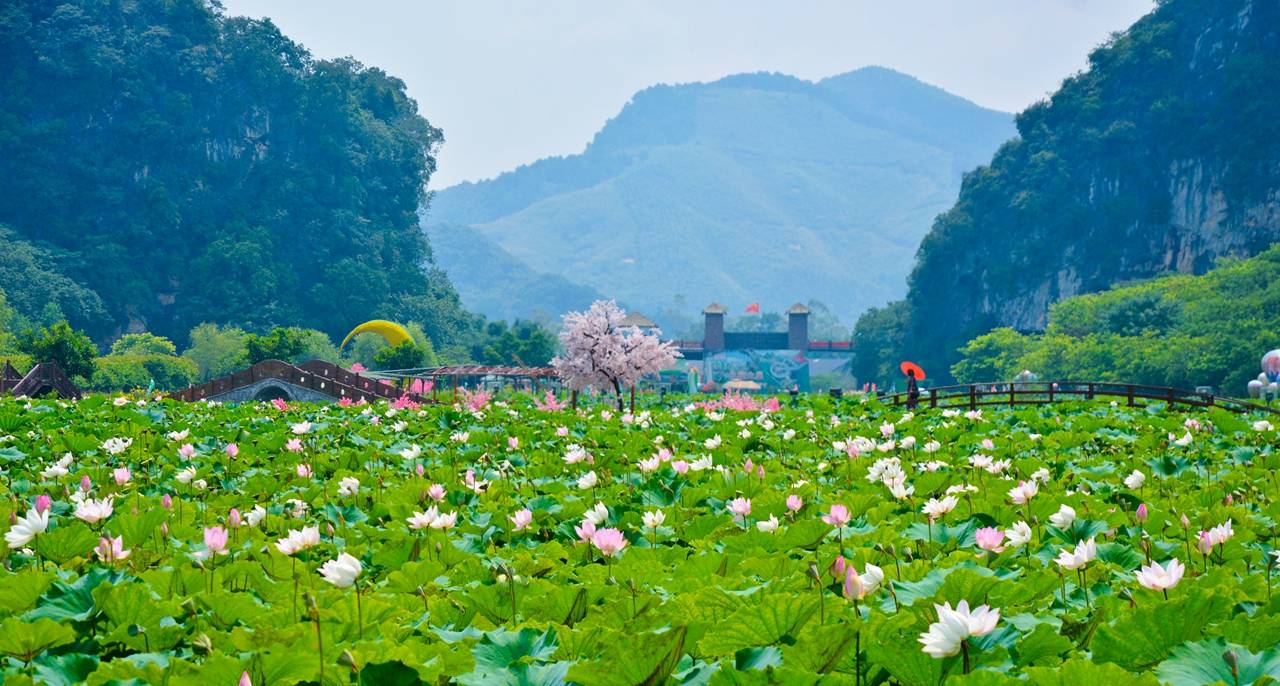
(513, 81)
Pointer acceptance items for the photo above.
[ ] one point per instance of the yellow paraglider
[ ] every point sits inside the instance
(391, 332)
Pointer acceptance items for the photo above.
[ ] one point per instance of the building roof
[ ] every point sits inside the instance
(636, 319)
(715, 308)
(798, 308)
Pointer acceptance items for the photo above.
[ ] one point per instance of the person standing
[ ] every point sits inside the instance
(913, 390)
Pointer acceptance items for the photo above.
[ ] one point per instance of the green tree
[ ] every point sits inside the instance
(996, 356)
(143, 344)
(522, 343)
(72, 350)
(406, 355)
(216, 351)
(879, 342)
(287, 344)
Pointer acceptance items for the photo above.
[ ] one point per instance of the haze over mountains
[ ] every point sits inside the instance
(756, 187)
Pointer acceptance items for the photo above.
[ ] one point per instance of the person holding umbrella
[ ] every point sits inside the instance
(914, 375)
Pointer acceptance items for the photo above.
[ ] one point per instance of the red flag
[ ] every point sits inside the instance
(753, 308)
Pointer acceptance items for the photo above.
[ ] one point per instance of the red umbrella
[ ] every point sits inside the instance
(907, 367)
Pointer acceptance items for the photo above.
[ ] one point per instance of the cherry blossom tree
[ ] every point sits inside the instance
(600, 352)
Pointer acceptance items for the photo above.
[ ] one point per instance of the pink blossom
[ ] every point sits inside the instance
(990, 538)
(166, 501)
(244, 679)
(1205, 544)
(513, 443)
(988, 444)
(233, 518)
(562, 431)
(436, 492)
(680, 467)
(304, 470)
(280, 404)
(838, 566)
(121, 475)
(549, 403)
(599, 352)
(1141, 514)
(43, 503)
(740, 507)
(232, 450)
(187, 451)
(609, 541)
(521, 520)
(838, 516)
(794, 503)
(293, 445)
(215, 540)
(586, 531)
(85, 484)
(111, 549)
(419, 470)
(345, 402)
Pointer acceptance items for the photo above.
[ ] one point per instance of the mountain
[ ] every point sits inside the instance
(1162, 157)
(756, 187)
(1179, 330)
(165, 165)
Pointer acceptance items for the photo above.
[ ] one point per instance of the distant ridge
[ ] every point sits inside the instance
(755, 187)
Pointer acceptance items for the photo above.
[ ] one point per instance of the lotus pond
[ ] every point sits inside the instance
(513, 541)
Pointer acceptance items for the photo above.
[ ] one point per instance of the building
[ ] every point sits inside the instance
(776, 360)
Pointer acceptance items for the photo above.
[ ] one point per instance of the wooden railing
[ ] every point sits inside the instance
(973, 396)
(316, 375)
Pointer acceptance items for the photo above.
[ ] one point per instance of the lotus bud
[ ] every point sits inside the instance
(167, 501)
(420, 470)
(43, 503)
(164, 529)
(232, 450)
(329, 529)
(1230, 499)
(85, 483)
(1229, 657)
(189, 606)
(838, 566)
(234, 517)
(346, 659)
(244, 679)
(1141, 514)
(1185, 522)
(203, 644)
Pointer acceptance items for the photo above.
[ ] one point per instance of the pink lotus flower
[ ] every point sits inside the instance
(111, 550)
(215, 540)
(740, 507)
(609, 541)
(513, 443)
(990, 538)
(794, 503)
(187, 451)
(293, 445)
(562, 431)
(85, 484)
(280, 404)
(232, 450)
(121, 475)
(304, 470)
(838, 566)
(436, 492)
(1158, 578)
(1141, 514)
(586, 531)
(345, 402)
(838, 516)
(166, 501)
(680, 467)
(233, 518)
(988, 444)
(43, 503)
(521, 520)
(419, 470)
(244, 679)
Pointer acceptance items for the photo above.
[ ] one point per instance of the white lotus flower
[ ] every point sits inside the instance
(653, 520)
(300, 428)
(588, 481)
(1084, 553)
(955, 626)
(935, 508)
(1023, 492)
(93, 511)
(348, 486)
(769, 525)
(412, 452)
(597, 514)
(712, 443)
(26, 528)
(445, 521)
(1018, 535)
(296, 541)
(423, 520)
(1135, 480)
(1063, 517)
(255, 516)
(343, 571)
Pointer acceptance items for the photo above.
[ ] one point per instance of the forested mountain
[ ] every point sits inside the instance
(1178, 330)
(1162, 157)
(165, 165)
(757, 187)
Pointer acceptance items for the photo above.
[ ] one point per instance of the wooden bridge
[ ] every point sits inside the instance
(973, 396)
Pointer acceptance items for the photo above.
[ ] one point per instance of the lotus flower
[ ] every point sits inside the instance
(521, 520)
(609, 541)
(1063, 518)
(990, 539)
(1019, 534)
(955, 626)
(740, 508)
(297, 541)
(653, 520)
(26, 528)
(1023, 492)
(1083, 554)
(215, 540)
(93, 511)
(794, 503)
(343, 571)
(422, 520)
(935, 508)
(111, 550)
(838, 516)
(1158, 578)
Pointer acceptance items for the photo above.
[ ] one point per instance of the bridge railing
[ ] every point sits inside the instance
(973, 396)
